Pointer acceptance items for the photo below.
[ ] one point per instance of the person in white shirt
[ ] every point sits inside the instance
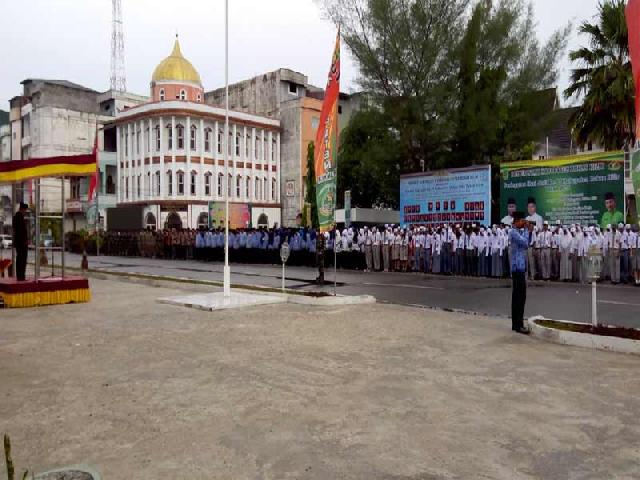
(625, 255)
(555, 253)
(428, 254)
(386, 246)
(565, 241)
(397, 246)
(635, 255)
(545, 251)
(377, 245)
(436, 249)
(615, 245)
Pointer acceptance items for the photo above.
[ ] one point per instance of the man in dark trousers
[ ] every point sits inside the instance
(519, 241)
(21, 241)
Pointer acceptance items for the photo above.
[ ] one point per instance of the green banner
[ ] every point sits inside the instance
(581, 189)
(635, 178)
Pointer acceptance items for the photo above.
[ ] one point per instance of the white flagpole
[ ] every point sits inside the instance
(227, 270)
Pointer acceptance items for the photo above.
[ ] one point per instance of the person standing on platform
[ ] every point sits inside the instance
(519, 240)
(21, 241)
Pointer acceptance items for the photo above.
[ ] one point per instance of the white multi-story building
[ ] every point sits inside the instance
(171, 159)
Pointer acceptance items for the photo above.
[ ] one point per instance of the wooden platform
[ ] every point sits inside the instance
(45, 291)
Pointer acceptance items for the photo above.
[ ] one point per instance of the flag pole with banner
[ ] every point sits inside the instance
(326, 155)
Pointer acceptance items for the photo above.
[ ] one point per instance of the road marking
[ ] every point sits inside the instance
(402, 285)
(611, 302)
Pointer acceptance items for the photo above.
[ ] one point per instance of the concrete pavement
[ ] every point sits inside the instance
(147, 391)
(618, 305)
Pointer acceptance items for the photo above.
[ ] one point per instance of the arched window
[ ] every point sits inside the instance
(247, 147)
(147, 185)
(207, 140)
(220, 180)
(220, 133)
(274, 150)
(265, 192)
(126, 189)
(256, 190)
(230, 143)
(247, 187)
(138, 185)
(263, 221)
(183, 95)
(256, 146)
(156, 132)
(229, 186)
(273, 189)
(199, 97)
(239, 186)
(126, 143)
(150, 220)
(238, 145)
(180, 134)
(192, 188)
(147, 139)
(207, 184)
(111, 187)
(180, 175)
(193, 138)
(158, 183)
(169, 183)
(203, 220)
(138, 141)
(169, 136)
(162, 94)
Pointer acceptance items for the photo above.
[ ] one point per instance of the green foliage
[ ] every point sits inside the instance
(311, 205)
(369, 160)
(452, 83)
(604, 77)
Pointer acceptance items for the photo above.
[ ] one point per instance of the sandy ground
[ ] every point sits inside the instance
(141, 390)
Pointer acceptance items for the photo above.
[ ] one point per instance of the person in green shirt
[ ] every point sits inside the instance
(611, 216)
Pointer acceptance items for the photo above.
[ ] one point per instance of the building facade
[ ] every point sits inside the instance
(5, 190)
(286, 96)
(171, 157)
(58, 118)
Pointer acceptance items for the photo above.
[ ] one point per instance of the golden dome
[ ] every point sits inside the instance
(176, 68)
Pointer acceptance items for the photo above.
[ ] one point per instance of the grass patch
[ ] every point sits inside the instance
(603, 330)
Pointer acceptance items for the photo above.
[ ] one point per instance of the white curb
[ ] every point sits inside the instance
(584, 340)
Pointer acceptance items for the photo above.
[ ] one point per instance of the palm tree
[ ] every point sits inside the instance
(607, 115)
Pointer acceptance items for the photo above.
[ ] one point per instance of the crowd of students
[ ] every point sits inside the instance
(558, 252)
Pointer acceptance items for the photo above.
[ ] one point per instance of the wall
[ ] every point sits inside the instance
(290, 168)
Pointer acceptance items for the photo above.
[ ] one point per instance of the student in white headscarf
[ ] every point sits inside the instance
(565, 255)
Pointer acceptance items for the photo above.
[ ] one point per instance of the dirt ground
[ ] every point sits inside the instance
(141, 390)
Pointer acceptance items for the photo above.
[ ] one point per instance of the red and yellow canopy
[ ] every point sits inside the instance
(74, 165)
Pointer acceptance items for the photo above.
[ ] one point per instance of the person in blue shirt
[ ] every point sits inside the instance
(519, 241)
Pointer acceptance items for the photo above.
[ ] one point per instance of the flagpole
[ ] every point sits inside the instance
(226, 270)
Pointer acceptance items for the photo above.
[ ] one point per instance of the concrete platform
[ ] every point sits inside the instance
(210, 302)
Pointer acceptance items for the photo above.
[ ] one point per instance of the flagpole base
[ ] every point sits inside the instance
(227, 280)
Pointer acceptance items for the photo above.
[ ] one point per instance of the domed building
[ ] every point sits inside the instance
(171, 159)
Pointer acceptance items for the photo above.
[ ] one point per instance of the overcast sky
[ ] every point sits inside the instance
(71, 39)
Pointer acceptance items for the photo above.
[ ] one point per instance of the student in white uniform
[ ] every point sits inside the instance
(635, 255)
(387, 240)
(368, 249)
(565, 255)
(436, 249)
(614, 253)
(377, 245)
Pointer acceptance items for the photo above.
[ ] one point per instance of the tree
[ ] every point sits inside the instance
(605, 79)
(369, 160)
(404, 51)
(311, 205)
(504, 72)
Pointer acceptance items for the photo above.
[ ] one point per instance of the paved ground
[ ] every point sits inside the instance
(149, 391)
(618, 305)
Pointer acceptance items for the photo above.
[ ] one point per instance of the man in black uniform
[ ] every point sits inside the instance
(320, 248)
(21, 241)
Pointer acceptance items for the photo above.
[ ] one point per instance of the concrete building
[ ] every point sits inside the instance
(58, 118)
(286, 96)
(171, 160)
(5, 190)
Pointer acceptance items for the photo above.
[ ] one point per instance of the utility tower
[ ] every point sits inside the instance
(118, 74)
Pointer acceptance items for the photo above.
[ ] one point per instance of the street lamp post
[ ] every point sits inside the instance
(226, 270)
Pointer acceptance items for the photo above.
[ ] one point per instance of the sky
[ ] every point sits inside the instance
(71, 39)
